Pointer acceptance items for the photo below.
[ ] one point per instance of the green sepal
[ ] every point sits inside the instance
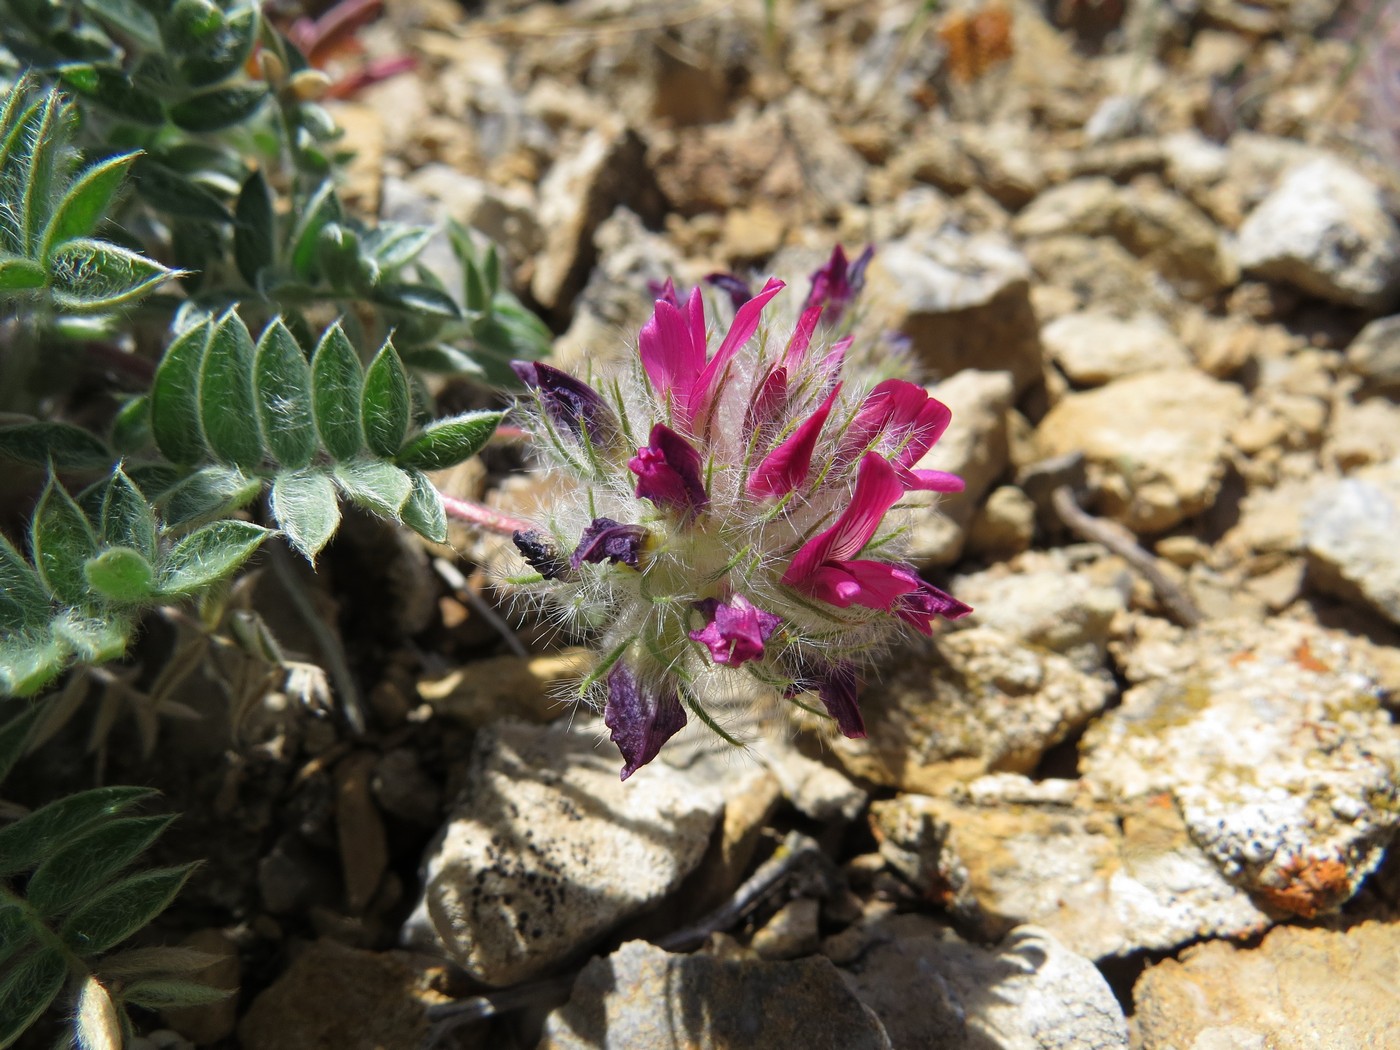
(305, 508)
(449, 441)
(336, 382)
(385, 404)
(208, 555)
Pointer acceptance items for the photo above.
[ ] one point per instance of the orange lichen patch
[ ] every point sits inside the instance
(1304, 658)
(976, 41)
(1309, 886)
(1161, 801)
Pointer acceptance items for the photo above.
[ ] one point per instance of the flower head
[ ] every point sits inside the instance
(733, 524)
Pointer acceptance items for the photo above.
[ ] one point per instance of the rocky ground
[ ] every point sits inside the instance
(1143, 797)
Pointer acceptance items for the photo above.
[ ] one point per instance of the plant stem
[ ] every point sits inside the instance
(483, 517)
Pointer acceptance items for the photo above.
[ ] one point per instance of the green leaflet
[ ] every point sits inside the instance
(447, 442)
(87, 862)
(255, 228)
(282, 389)
(305, 507)
(175, 414)
(127, 519)
(86, 201)
(375, 485)
(120, 574)
(226, 410)
(336, 382)
(28, 842)
(61, 444)
(385, 405)
(423, 513)
(115, 914)
(62, 541)
(208, 555)
(90, 275)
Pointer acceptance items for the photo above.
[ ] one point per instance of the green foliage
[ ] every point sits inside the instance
(89, 574)
(50, 206)
(80, 898)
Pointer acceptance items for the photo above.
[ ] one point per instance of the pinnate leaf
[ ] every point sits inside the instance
(32, 839)
(86, 201)
(90, 275)
(385, 403)
(175, 397)
(115, 914)
(226, 394)
(207, 555)
(62, 540)
(447, 442)
(218, 109)
(282, 388)
(336, 382)
(27, 989)
(375, 485)
(121, 574)
(209, 493)
(424, 513)
(306, 509)
(89, 861)
(61, 444)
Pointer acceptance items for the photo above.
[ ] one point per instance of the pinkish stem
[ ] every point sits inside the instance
(483, 517)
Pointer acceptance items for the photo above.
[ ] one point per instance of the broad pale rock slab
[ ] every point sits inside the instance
(548, 849)
(1031, 993)
(1272, 740)
(1105, 881)
(1350, 530)
(968, 702)
(1299, 990)
(644, 998)
(1155, 443)
(1093, 347)
(1326, 231)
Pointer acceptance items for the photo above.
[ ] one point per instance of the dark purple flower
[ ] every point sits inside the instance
(836, 284)
(608, 540)
(921, 606)
(736, 630)
(836, 685)
(733, 286)
(668, 472)
(571, 403)
(538, 549)
(640, 719)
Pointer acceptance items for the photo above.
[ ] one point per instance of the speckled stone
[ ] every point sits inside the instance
(1272, 740)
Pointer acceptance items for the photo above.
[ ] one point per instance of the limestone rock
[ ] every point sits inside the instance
(1375, 356)
(963, 301)
(547, 849)
(1273, 742)
(1094, 347)
(643, 998)
(970, 701)
(1350, 531)
(1326, 231)
(1155, 442)
(1030, 993)
(1300, 989)
(1107, 881)
(1005, 524)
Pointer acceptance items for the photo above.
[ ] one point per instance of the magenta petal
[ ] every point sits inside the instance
(801, 337)
(787, 466)
(608, 540)
(873, 584)
(746, 320)
(669, 472)
(767, 402)
(669, 354)
(737, 630)
(640, 719)
(930, 480)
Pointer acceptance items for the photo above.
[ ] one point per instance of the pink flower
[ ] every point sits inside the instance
(673, 351)
(668, 472)
(826, 567)
(901, 421)
(641, 719)
(736, 631)
(837, 283)
(787, 466)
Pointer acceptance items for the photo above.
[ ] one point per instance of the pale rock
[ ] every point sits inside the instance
(1194, 163)
(1362, 434)
(1270, 520)
(791, 932)
(963, 301)
(976, 448)
(1155, 443)
(1107, 881)
(932, 989)
(1350, 530)
(751, 234)
(547, 849)
(1374, 355)
(1089, 207)
(1094, 347)
(1299, 989)
(1117, 117)
(506, 686)
(815, 788)
(965, 703)
(1271, 739)
(1325, 230)
(1101, 274)
(1176, 239)
(644, 998)
(1044, 603)
(1119, 161)
(1005, 524)
(580, 190)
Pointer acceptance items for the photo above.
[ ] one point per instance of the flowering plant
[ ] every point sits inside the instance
(733, 521)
